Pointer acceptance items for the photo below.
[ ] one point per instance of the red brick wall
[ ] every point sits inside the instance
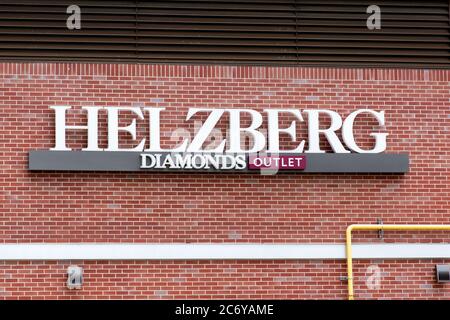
(149, 207)
(394, 279)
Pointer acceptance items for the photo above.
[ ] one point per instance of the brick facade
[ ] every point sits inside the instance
(56, 207)
(235, 279)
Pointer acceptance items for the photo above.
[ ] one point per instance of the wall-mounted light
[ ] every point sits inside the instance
(443, 272)
(74, 277)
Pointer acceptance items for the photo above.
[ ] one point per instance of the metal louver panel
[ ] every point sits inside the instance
(413, 33)
(283, 32)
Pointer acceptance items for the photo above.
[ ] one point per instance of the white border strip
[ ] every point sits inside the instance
(84, 251)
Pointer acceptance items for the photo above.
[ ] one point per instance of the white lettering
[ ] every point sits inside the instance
(155, 132)
(205, 130)
(60, 128)
(273, 135)
(349, 139)
(113, 128)
(234, 142)
(330, 134)
(236, 130)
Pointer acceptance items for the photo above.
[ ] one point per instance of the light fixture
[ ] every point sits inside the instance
(443, 272)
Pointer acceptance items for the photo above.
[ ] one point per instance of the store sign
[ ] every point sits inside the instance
(283, 162)
(264, 151)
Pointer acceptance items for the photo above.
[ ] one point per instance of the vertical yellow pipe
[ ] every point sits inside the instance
(405, 227)
(348, 252)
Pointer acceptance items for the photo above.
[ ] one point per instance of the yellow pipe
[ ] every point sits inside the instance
(378, 227)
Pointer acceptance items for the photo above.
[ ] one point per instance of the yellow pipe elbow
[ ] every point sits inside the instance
(368, 227)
